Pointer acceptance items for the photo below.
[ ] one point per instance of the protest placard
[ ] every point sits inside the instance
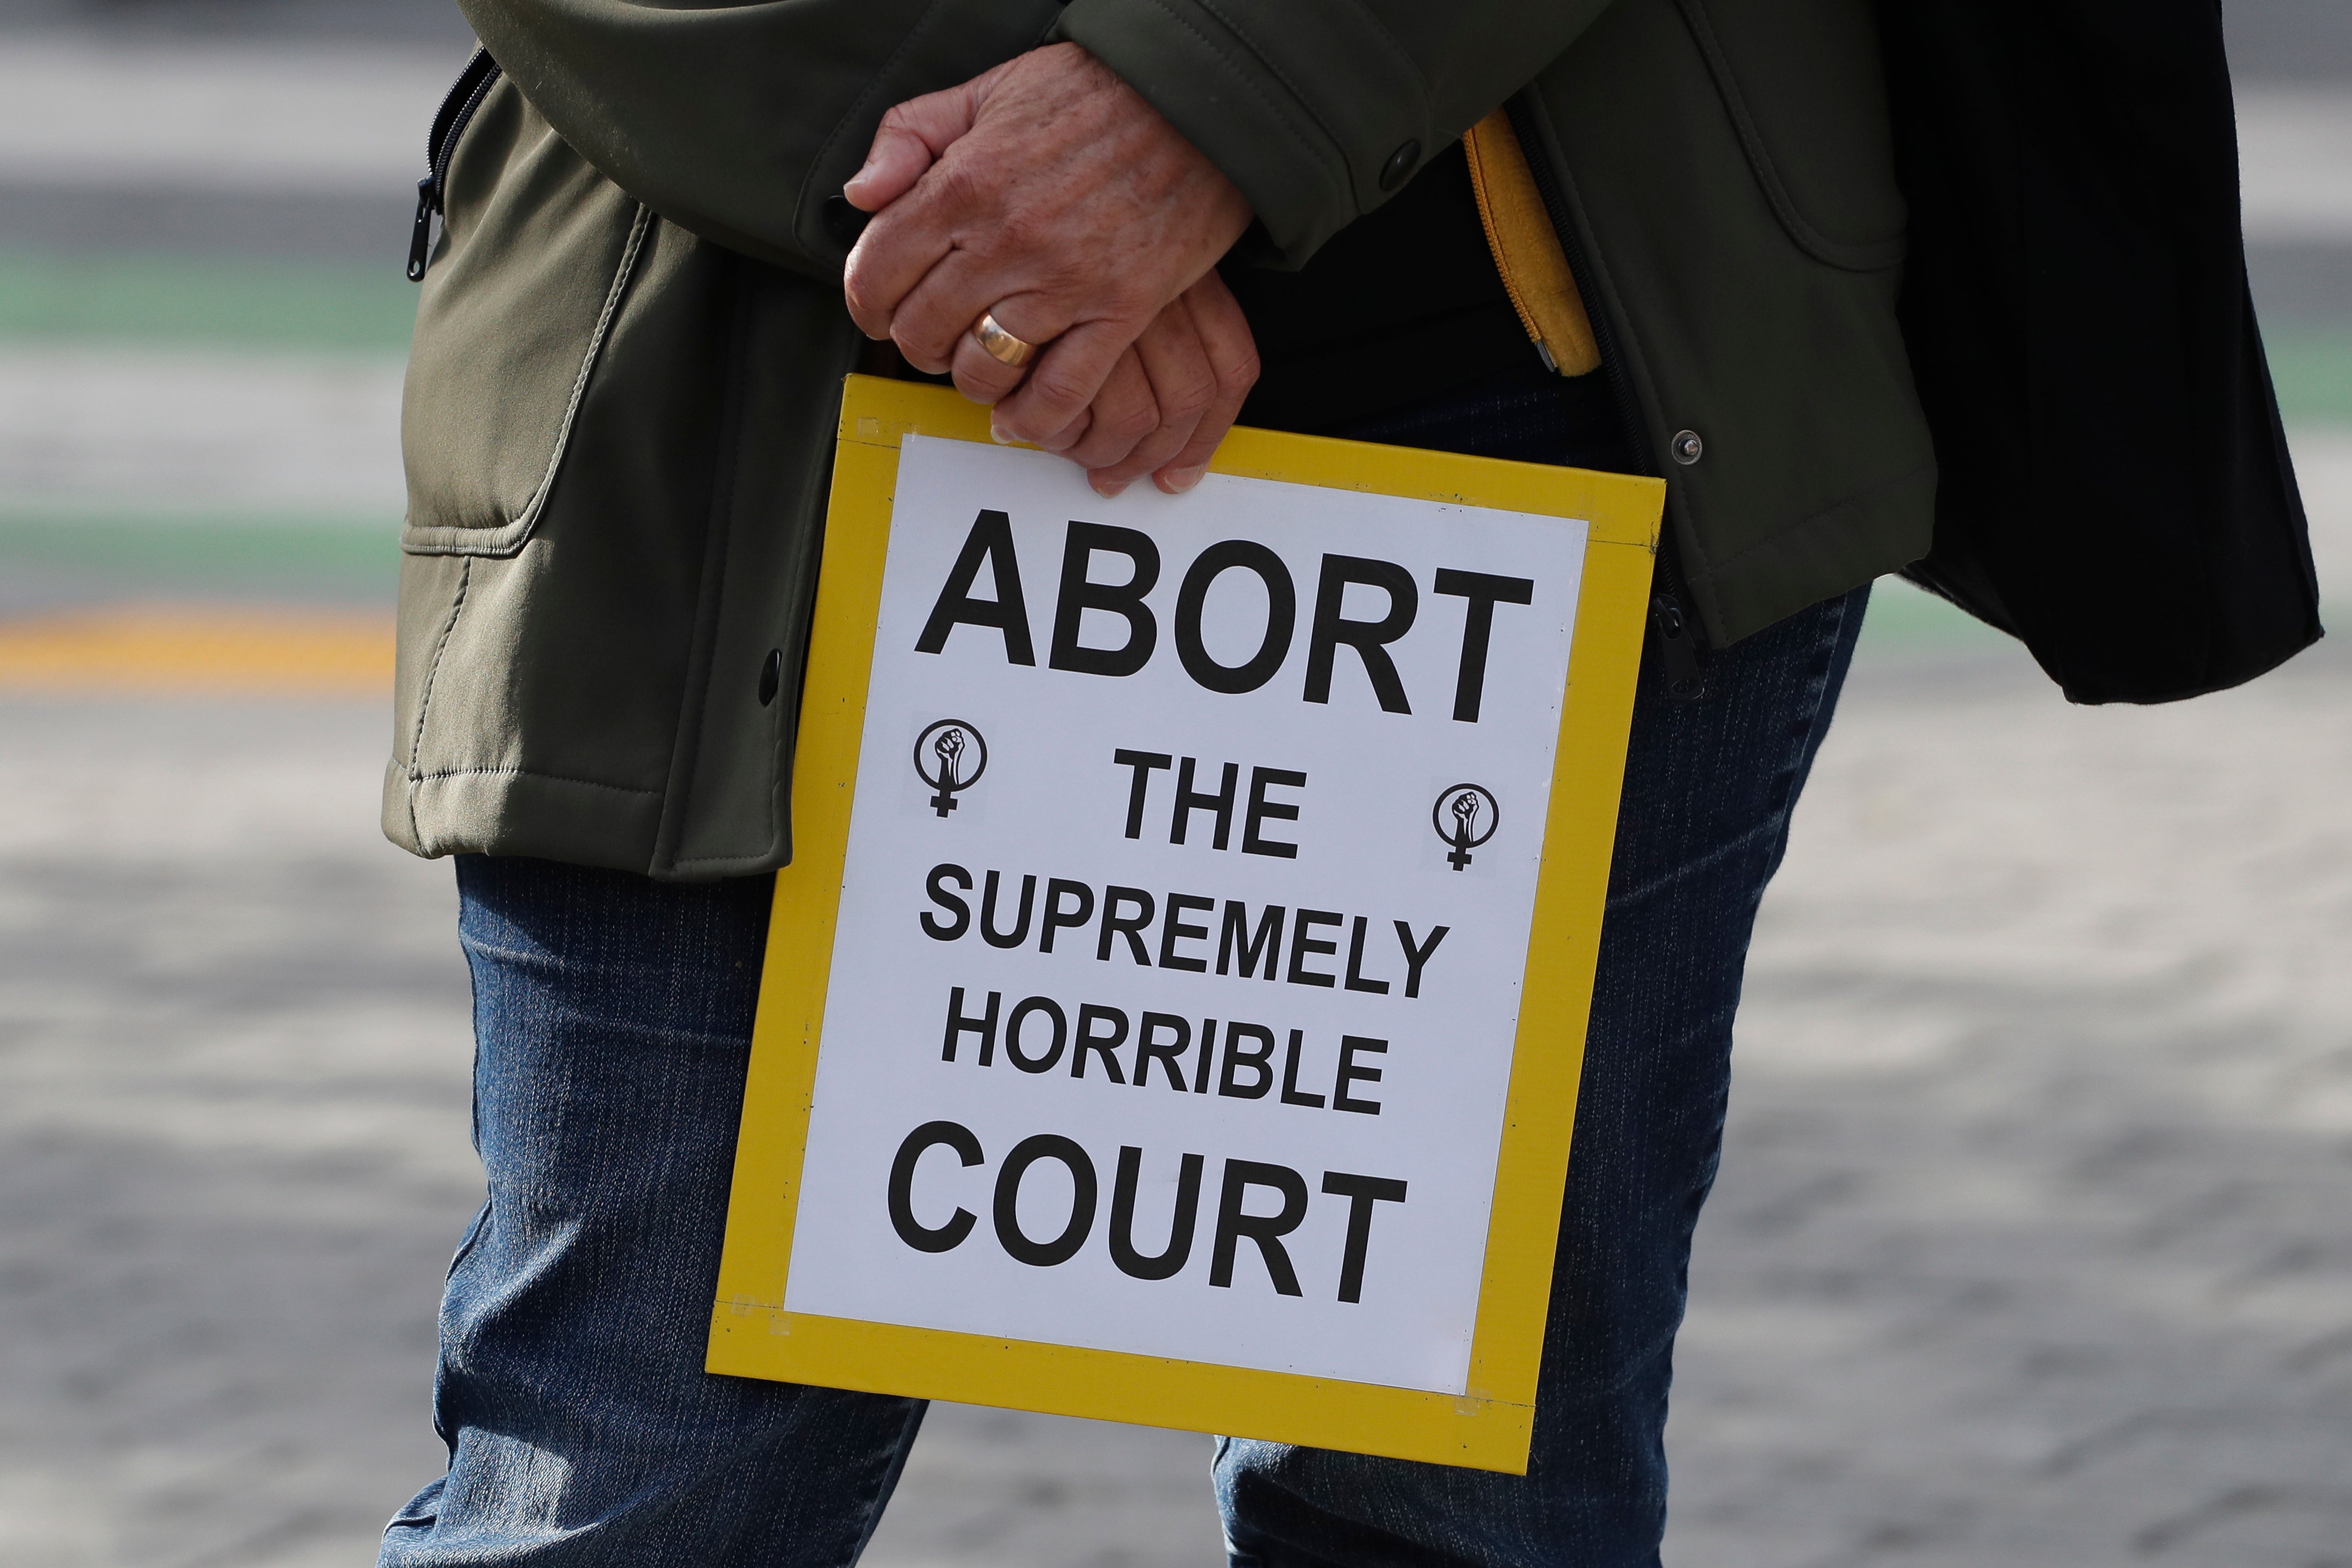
(1174, 1005)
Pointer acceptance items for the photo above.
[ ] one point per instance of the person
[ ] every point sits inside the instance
(666, 235)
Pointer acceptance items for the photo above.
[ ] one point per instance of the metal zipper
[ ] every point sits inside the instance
(449, 122)
(1681, 642)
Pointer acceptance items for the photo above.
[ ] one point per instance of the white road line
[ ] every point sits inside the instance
(156, 431)
(208, 117)
(2295, 159)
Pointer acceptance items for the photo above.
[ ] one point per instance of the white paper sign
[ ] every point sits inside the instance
(1210, 904)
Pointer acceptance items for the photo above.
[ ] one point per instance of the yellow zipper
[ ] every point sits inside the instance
(1527, 251)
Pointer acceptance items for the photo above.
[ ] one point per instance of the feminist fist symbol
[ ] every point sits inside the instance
(938, 761)
(1464, 803)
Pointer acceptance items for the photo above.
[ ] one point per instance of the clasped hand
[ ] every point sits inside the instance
(1049, 193)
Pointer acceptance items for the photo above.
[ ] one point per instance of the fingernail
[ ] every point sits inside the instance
(1181, 480)
(996, 434)
(1109, 489)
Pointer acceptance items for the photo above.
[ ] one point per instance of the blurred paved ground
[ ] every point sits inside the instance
(2032, 1242)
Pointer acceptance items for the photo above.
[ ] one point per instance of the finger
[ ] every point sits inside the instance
(911, 137)
(1064, 379)
(889, 260)
(981, 375)
(899, 156)
(902, 245)
(1124, 412)
(1232, 350)
(1182, 388)
(905, 277)
(1060, 440)
(882, 267)
(941, 309)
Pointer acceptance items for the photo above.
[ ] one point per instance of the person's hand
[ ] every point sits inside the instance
(1170, 398)
(1049, 193)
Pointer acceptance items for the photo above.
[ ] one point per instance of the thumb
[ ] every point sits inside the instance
(911, 137)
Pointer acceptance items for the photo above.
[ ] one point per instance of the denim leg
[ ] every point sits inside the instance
(612, 1022)
(1709, 790)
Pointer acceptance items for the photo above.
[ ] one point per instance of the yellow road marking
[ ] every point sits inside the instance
(220, 649)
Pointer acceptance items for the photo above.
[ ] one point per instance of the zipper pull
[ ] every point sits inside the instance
(1677, 650)
(420, 238)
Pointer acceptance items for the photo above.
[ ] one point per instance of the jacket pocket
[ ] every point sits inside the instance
(1805, 88)
(536, 257)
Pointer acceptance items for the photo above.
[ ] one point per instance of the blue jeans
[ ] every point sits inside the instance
(613, 1020)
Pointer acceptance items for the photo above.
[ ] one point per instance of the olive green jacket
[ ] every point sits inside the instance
(620, 405)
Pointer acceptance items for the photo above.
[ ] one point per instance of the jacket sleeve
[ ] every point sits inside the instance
(738, 119)
(1320, 110)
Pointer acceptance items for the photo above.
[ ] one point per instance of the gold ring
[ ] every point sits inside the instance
(1001, 345)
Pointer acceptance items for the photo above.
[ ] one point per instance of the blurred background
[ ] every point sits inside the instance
(2034, 1239)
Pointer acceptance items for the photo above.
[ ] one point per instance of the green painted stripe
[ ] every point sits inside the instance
(1905, 620)
(259, 304)
(2312, 368)
(238, 555)
(350, 305)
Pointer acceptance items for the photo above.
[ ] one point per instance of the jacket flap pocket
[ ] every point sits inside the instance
(532, 268)
(1805, 86)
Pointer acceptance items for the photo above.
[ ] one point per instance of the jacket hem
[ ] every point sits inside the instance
(511, 811)
(1862, 538)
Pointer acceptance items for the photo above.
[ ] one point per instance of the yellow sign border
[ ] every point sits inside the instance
(1489, 1428)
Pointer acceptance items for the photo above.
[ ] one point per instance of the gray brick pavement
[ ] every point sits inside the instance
(2030, 1243)
(2033, 1242)
(233, 1161)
